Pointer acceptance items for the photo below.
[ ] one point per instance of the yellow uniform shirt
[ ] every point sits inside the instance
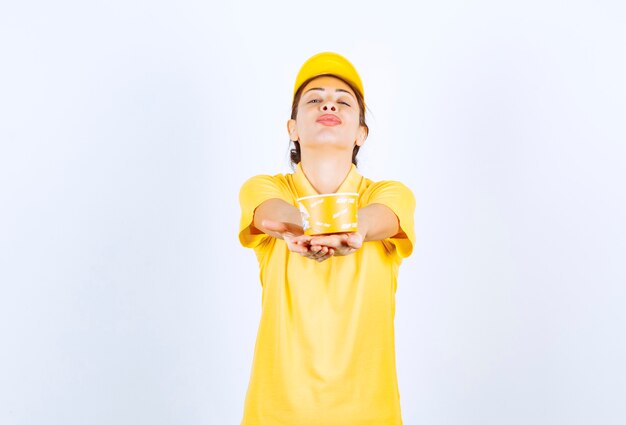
(325, 348)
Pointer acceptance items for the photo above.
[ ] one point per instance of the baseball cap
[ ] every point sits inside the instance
(328, 63)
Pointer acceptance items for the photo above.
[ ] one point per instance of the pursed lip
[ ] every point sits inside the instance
(329, 119)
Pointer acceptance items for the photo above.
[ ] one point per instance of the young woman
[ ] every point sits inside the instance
(325, 349)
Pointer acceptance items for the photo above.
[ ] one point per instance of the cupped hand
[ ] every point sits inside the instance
(340, 243)
(297, 241)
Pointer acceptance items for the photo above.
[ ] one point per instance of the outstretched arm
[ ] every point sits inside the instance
(377, 222)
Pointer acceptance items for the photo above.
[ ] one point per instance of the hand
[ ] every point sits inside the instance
(340, 243)
(297, 241)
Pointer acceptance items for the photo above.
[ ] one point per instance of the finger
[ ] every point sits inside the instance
(324, 257)
(294, 247)
(315, 248)
(330, 241)
(327, 256)
(302, 240)
(317, 254)
(319, 240)
(312, 252)
(316, 241)
(322, 251)
(311, 256)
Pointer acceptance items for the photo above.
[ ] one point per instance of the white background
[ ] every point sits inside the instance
(128, 127)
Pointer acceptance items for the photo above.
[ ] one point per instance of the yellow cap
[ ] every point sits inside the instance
(328, 63)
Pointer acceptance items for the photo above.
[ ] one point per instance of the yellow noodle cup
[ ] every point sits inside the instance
(329, 213)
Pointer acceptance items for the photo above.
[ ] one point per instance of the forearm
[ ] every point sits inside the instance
(275, 210)
(377, 222)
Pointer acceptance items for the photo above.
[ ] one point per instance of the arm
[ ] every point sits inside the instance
(276, 210)
(377, 222)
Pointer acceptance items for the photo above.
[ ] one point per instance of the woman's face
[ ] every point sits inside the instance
(328, 115)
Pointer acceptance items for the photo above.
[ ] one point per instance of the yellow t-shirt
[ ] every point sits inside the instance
(325, 348)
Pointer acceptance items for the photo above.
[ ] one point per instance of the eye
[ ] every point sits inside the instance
(345, 103)
(314, 101)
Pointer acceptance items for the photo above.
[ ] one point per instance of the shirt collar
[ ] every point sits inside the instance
(304, 188)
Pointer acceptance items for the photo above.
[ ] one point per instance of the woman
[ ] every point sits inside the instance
(324, 353)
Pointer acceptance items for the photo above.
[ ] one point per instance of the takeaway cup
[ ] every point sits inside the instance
(329, 213)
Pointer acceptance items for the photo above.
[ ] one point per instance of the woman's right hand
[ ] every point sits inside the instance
(297, 241)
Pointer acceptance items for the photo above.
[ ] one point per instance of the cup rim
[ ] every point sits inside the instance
(321, 195)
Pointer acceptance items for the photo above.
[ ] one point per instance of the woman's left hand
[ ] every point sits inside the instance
(340, 243)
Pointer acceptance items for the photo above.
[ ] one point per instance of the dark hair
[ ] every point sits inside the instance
(295, 154)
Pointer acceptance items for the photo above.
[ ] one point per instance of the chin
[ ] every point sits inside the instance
(327, 145)
(328, 138)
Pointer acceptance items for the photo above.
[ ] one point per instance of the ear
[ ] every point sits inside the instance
(292, 130)
(361, 136)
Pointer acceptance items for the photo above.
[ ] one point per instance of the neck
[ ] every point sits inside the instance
(326, 173)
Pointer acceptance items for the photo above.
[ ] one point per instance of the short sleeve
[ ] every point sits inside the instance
(401, 201)
(253, 193)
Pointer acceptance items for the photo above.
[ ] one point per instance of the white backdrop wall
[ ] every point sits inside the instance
(127, 128)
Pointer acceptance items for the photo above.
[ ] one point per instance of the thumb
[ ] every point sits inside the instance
(355, 240)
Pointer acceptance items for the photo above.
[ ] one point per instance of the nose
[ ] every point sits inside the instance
(328, 106)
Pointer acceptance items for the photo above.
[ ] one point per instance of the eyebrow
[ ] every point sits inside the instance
(322, 89)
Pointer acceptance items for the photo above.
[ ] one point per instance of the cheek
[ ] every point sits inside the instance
(304, 118)
(354, 119)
